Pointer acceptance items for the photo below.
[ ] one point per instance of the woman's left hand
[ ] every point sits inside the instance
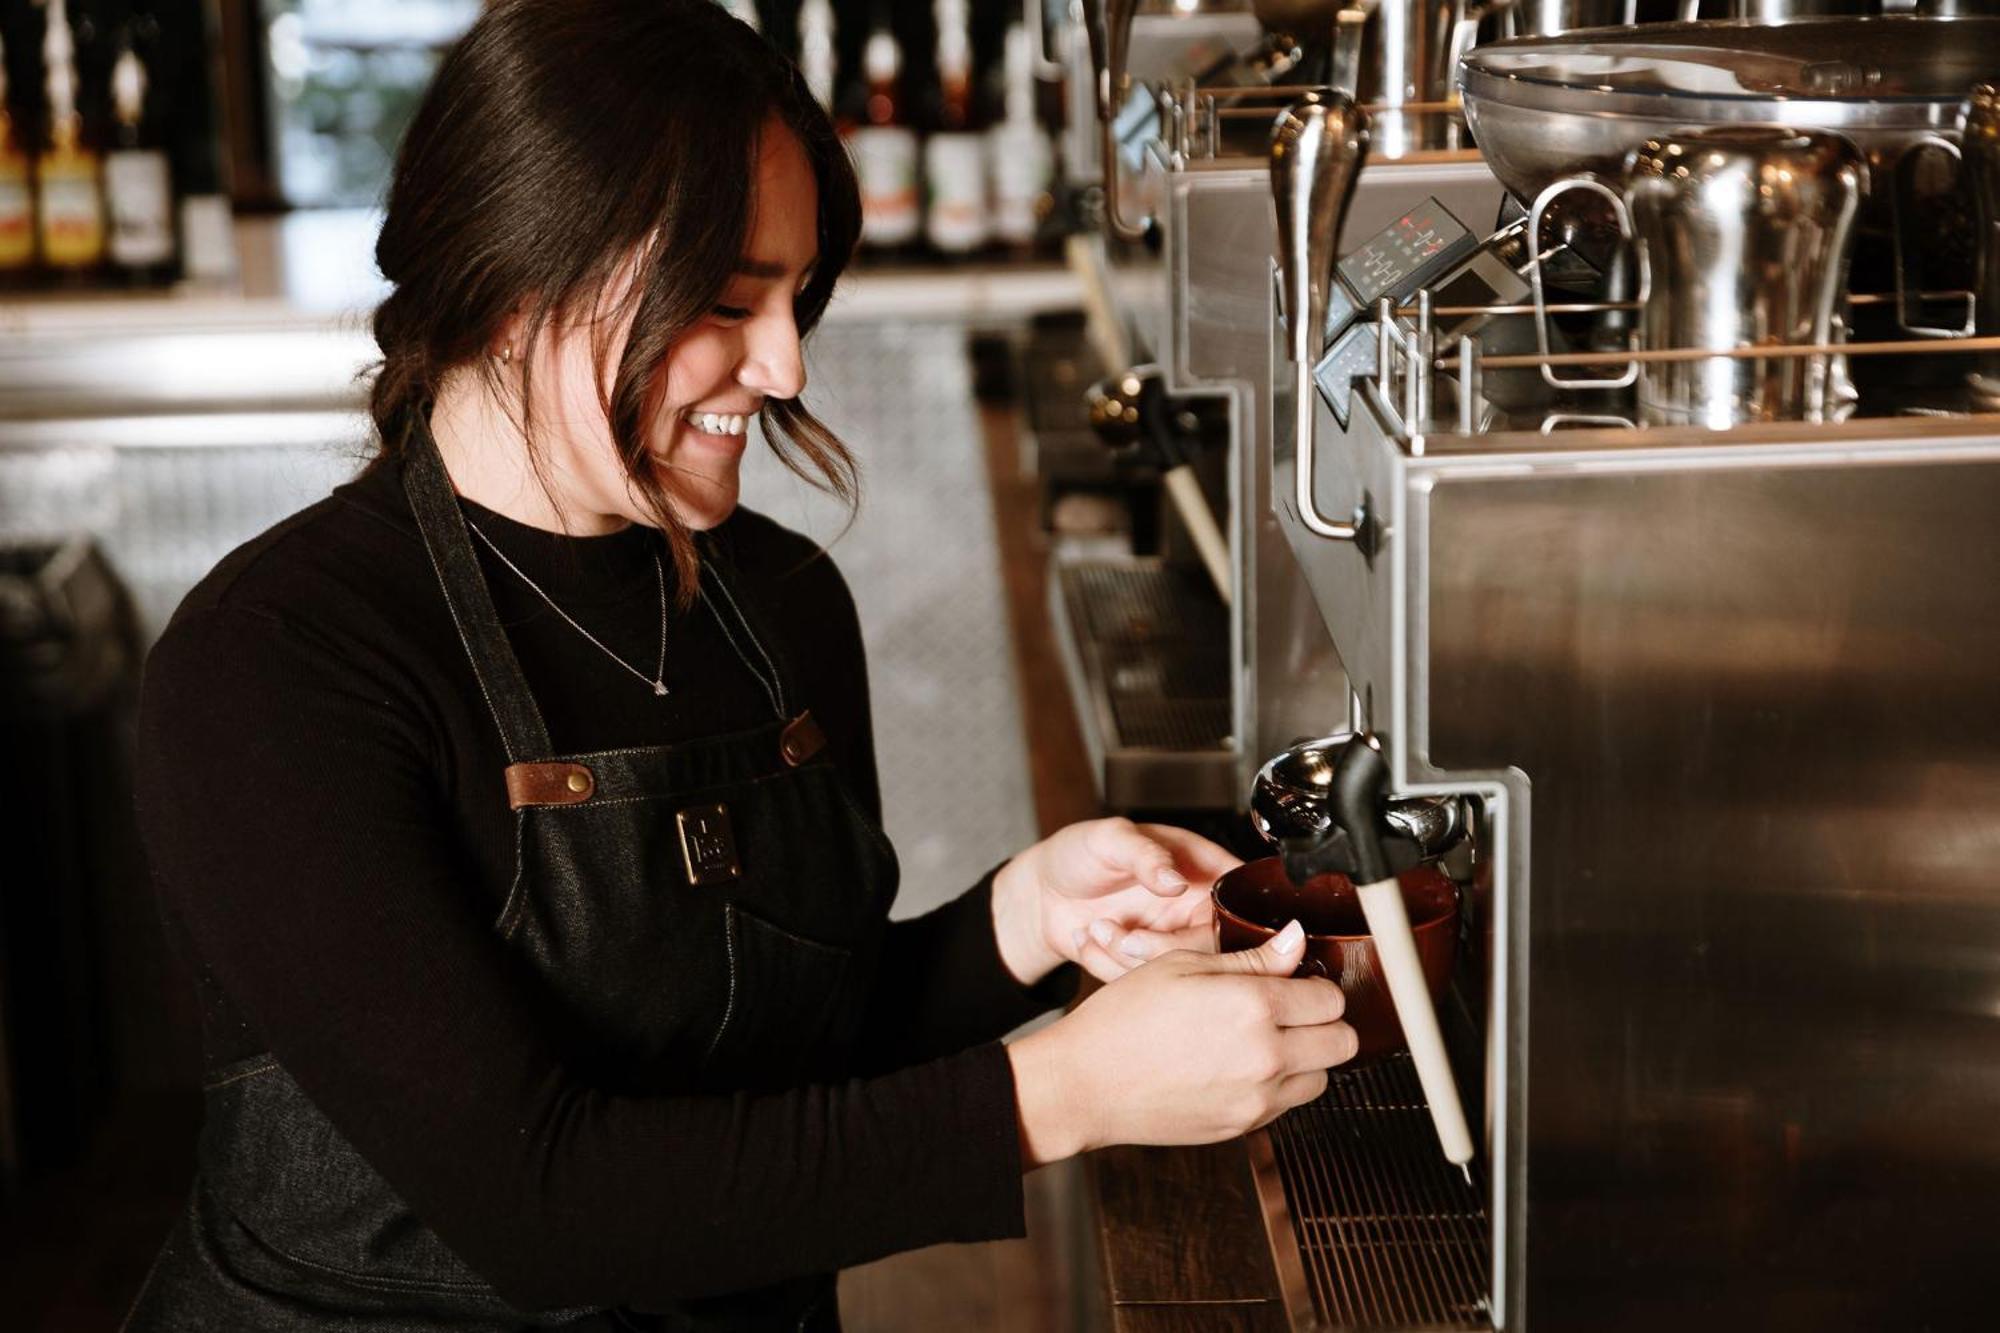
(1107, 894)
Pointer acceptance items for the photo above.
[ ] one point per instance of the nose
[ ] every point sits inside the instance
(772, 364)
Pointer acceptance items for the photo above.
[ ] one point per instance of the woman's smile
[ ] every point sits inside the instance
(718, 423)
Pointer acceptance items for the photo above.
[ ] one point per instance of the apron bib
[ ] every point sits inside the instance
(703, 917)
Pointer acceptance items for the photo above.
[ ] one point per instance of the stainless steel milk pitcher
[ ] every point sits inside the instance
(1742, 234)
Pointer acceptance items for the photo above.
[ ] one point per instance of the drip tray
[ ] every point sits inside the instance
(1370, 1226)
(1146, 647)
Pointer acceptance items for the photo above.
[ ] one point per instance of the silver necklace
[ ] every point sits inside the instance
(658, 680)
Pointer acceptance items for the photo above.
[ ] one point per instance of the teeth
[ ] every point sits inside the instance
(719, 423)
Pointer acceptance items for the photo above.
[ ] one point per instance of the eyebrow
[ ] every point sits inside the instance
(765, 268)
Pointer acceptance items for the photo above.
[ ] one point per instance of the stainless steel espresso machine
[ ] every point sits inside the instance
(1663, 528)
(1185, 682)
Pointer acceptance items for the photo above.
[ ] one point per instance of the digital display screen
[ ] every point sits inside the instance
(1411, 248)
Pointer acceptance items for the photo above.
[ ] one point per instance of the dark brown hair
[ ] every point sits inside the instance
(559, 139)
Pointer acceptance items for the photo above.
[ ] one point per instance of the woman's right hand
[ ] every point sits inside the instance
(1190, 1048)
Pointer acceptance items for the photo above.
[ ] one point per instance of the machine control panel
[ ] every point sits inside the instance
(1405, 257)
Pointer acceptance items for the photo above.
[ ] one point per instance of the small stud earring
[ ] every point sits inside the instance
(506, 353)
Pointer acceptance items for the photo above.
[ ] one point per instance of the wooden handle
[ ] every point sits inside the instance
(1382, 904)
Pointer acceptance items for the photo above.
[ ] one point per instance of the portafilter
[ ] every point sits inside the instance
(1292, 808)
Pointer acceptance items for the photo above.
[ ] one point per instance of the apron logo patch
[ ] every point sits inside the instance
(708, 845)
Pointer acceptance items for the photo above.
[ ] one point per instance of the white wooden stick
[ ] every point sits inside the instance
(1185, 491)
(1396, 947)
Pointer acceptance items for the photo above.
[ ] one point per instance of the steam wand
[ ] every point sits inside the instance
(1360, 780)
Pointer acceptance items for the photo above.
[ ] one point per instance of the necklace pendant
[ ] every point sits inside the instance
(659, 687)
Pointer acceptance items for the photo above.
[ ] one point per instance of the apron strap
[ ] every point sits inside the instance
(442, 523)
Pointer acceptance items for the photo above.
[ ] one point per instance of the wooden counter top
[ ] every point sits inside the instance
(1182, 1241)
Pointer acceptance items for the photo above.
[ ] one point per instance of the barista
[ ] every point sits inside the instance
(517, 803)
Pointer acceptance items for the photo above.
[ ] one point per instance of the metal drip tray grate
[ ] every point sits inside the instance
(1148, 650)
(1388, 1234)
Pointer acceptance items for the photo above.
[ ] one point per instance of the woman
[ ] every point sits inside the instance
(517, 804)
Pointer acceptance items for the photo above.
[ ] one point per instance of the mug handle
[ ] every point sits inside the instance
(1908, 282)
(1594, 185)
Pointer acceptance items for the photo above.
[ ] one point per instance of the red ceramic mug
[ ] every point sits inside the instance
(1255, 900)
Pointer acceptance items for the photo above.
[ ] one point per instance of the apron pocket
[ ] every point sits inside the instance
(787, 996)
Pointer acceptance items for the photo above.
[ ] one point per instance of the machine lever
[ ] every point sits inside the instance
(1359, 781)
(1317, 148)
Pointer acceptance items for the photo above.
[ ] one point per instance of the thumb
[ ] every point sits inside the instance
(1276, 957)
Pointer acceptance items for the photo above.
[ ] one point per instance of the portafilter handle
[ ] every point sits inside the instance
(1317, 148)
(1360, 781)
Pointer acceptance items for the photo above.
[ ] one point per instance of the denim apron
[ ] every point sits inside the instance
(702, 917)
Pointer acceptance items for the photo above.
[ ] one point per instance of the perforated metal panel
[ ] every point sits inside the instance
(922, 560)
(167, 495)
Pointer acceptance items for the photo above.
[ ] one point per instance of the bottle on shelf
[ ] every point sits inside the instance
(1019, 158)
(17, 194)
(138, 180)
(956, 217)
(207, 231)
(885, 149)
(816, 49)
(68, 187)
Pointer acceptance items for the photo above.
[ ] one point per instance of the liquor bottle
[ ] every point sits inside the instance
(17, 196)
(200, 166)
(138, 182)
(885, 150)
(955, 155)
(1018, 154)
(816, 49)
(68, 193)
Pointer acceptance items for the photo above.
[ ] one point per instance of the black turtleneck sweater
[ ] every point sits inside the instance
(321, 796)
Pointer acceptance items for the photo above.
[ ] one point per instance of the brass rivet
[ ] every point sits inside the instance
(579, 782)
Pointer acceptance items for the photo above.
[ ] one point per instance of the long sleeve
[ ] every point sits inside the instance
(292, 799)
(942, 986)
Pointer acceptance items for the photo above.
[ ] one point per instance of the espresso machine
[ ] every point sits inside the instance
(1681, 584)
(1188, 672)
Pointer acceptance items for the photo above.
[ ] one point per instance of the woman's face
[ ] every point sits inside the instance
(717, 377)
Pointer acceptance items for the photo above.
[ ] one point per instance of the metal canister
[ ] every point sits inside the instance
(1744, 234)
(1980, 148)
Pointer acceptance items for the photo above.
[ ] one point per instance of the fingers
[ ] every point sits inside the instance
(1194, 856)
(1275, 957)
(1322, 1047)
(1298, 1089)
(1101, 958)
(1120, 844)
(1302, 1002)
(1143, 946)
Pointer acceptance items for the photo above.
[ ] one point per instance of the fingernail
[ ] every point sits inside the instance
(1133, 947)
(1171, 878)
(1291, 939)
(1076, 939)
(1101, 931)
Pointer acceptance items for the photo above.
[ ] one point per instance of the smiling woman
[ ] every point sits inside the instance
(517, 806)
(568, 206)
(738, 359)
